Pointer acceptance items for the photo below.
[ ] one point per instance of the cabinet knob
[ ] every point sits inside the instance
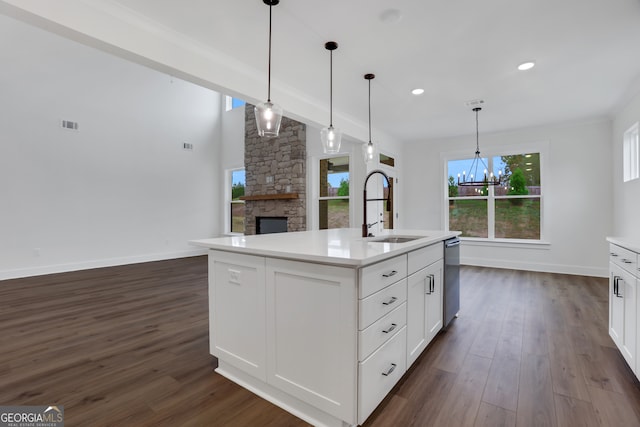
(390, 370)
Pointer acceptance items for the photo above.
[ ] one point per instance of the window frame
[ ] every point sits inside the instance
(489, 153)
(631, 153)
(316, 188)
(229, 202)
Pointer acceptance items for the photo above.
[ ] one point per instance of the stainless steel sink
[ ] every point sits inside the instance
(395, 239)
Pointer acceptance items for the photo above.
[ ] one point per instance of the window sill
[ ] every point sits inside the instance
(507, 243)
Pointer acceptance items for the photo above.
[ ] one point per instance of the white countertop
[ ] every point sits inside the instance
(625, 243)
(343, 246)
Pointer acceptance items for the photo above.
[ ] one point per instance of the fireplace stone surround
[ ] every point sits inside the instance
(276, 173)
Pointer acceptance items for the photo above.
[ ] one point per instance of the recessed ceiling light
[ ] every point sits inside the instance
(417, 91)
(526, 65)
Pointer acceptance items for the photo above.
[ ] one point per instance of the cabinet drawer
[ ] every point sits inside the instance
(423, 257)
(380, 331)
(624, 258)
(377, 276)
(379, 373)
(382, 302)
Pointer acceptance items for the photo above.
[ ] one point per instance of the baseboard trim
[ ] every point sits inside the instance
(98, 263)
(578, 270)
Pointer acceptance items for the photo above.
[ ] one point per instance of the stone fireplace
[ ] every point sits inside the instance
(275, 174)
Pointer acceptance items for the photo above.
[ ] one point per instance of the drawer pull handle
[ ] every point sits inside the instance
(391, 273)
(390, 328)
(626, 261)
(613, 254)
(391, 301)
(390, 370)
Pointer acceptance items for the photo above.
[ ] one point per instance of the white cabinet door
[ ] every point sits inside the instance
(616, 305)
(424, 309)
(434, 301)
(623, 289)
(312, 334)
(418, 283)
(629, 297)
(237, 311)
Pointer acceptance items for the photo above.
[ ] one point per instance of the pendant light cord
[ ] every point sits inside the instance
(269, 70)
(369, 110)
(331, 88)
(477, 134)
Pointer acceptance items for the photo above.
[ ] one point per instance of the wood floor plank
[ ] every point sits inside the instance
(460, 407)
(613, 409)
(566, 374)
(536, 406)
(503, 381)
(573, 412)
(494, 416)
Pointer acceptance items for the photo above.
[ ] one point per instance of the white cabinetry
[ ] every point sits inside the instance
(325, 342)
(311, 334)
(237, 311)
(382, 337)
(623, 303)
(424, 306)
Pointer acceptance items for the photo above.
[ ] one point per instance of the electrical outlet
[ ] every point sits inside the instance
(187, 146)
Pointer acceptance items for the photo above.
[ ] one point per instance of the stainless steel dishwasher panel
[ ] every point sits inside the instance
(451, 293)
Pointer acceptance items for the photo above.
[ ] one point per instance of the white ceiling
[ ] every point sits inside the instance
(586, 53)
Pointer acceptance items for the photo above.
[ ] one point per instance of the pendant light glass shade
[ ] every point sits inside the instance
(331, 139)
(369, 150)
(330, 136)
(268, 115)
(268, 118)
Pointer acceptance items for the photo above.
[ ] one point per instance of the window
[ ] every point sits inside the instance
(510, 211)
(387, 160)
(631, 154)
(232, 103)
(236, 205)
(333, 200)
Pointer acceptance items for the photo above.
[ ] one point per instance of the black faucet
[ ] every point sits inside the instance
(365, 226)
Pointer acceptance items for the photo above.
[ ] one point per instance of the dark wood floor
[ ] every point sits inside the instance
(128, 346)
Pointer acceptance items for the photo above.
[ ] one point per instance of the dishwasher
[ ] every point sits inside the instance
(451, 293)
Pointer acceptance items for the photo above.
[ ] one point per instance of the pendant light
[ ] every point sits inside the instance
(268, 114)
(369, 150)
(474, 178)
(331, 137)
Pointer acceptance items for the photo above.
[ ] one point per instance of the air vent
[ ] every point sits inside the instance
(474, 103)
(69, 125)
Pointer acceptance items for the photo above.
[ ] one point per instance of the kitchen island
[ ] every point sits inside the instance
(323, 323)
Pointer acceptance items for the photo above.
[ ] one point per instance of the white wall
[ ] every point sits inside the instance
(626, 195)
(121, 189)
(577, 196)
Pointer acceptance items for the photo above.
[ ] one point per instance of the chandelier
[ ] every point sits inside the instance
(478, 172)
